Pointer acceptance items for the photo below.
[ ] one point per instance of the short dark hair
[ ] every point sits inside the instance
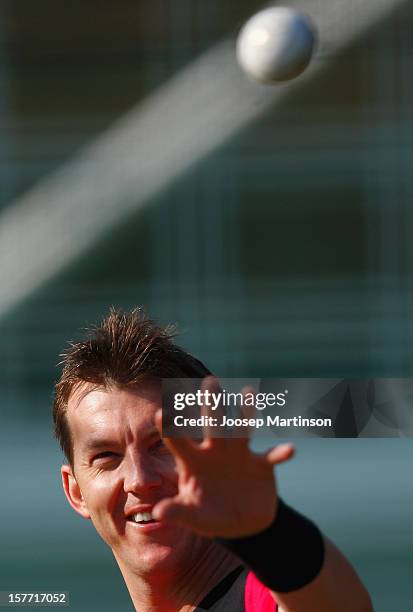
(125, 349)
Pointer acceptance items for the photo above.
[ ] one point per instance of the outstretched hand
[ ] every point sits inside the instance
(224, 489)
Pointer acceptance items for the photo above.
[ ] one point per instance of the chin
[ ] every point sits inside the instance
(159, 554)
(149, 559)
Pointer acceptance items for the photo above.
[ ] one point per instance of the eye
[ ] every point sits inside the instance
(105, 455)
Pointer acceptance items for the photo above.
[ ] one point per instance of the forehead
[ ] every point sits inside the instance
(112, 412)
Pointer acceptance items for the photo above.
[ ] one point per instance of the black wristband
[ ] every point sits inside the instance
(287, 555)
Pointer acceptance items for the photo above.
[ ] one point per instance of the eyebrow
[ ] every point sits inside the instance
(94, 444)
(97, 444)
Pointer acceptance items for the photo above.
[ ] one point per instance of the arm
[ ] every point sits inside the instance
(227, 491)
(303, 570)
(336, 588)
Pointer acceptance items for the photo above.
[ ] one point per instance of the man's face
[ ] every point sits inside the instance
(122, 468)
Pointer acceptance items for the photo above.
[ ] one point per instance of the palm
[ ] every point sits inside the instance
(224, 489)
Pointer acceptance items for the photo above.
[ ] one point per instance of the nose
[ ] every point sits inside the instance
(140, 474)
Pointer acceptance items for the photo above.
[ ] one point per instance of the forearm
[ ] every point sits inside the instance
(337, 588)
(304, 571)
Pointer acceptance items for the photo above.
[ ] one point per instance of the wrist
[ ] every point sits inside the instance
(285, 556)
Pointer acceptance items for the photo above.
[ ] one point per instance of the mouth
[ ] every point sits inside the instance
(142, 518)
(143, 521)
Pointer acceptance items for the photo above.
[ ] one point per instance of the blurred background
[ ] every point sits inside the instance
(139, 166)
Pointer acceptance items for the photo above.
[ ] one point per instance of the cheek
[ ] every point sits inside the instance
(101, 494)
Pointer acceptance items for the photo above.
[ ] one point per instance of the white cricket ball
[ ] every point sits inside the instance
(276, 44)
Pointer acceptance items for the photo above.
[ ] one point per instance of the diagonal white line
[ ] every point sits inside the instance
(187, 118)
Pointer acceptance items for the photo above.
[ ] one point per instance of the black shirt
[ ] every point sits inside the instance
(227, 595)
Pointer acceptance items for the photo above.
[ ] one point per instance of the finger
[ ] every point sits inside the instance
(240, 435)
(158, 421)
(279, 454)
(172, 510)
(183, 448)
(211, 408)
(248, 407)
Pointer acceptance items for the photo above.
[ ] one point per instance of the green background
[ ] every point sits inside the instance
(284, 252)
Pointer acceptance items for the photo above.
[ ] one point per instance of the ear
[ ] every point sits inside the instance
(73, 492)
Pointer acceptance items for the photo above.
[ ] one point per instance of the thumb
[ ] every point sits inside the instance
(172, 511)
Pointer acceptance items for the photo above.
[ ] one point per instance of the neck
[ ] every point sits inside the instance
(183, 589)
